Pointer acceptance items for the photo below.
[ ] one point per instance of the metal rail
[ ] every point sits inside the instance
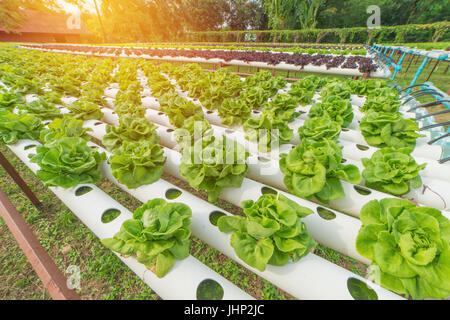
(52, 278)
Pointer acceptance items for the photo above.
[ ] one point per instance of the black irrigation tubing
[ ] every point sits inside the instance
(363, 64)
(439, 138)
(436, 125)
(433, 114)
(429, 104)
(424, 94)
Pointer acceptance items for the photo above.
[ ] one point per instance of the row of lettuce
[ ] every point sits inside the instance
(407, 244)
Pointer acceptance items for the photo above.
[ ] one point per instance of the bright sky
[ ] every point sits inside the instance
(70, 8)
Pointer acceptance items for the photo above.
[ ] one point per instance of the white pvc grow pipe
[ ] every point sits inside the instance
(181, 283)
(310, 278)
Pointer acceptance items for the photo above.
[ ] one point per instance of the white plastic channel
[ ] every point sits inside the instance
(310, 278)
(179, 284)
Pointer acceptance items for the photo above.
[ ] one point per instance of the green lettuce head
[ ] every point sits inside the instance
(135, 164)
(408, 246)
(158, 234)
(234, 112)
(213, 164)
(272, 232)
(130, 129)
(67, 163)
(314, 168)
(338, 109)
(14, 127)
(392, 171)
(320, 128)
(381, 130)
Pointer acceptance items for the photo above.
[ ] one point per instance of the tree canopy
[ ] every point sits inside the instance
(166, 20)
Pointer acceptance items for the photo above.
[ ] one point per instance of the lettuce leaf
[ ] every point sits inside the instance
(270, 233)
(213, 164)
(382, 129)
(408, 246)
(67, 163)
(392, 171)
(314, 168)
(158, 234)
(135, 164)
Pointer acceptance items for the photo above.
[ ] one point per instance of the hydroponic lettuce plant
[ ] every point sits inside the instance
(273, 85)
(320, 128)
(268, 132)
(314, 169)
(338, 89)
(9, 100)
(193, 129)
(282, 107)
(14, 127)
(272, 232)
(408, 247)
(257, 78)
(129, 129)
(158, 234)
(339, 110)
(312, 83)
(85, 110)
(392, 171)
(255, 97)
(179, 109)
(64, 127)
(135, 164)
(53, 97)
(387, 92)
(127, 108)
(234, 112)
(67, 163)
(213, 164)
(381, 104)
(41, 109)
(382, 129)
(302, 95)
(161, 88)
(363, 87)
(213, 96)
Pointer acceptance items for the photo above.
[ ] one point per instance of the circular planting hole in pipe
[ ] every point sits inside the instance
(362, 148)
(360, 291)
(326, 214)
(160, 113)
(256, 112)
(215, 216)
(172, 194)
(98, 124)
(209, 290)
(110, 215)
(345, 130)
(344, 160)
(267, 190)
(81, 191)
(363, 191)
(209, 112)
(170, 130)
(31, 146)
(263, 159)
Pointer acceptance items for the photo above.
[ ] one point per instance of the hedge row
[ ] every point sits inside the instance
(435, 32)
